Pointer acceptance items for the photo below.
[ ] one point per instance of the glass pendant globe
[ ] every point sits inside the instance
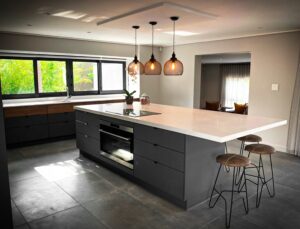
(152, 67)
(135, 68)
(173, 66)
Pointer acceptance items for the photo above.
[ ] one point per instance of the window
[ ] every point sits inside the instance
(51, 76)
(235, 84)
(85, 76)
(17, 76)
(113, 76)
(31, 77)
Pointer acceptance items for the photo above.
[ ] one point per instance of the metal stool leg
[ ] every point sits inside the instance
(237, 181)
(258, 193)
(273, 182)
(228, 219)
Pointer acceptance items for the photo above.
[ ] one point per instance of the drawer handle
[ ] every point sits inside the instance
(114, 135)
(81, 122)
(155, 162)
(155, 145)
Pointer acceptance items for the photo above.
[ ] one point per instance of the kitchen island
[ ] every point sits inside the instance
(171, 150)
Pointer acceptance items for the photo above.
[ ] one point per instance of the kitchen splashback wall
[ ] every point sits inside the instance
(274, 59)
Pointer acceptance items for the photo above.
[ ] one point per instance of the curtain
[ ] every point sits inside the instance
(235, 84)
(293, 144)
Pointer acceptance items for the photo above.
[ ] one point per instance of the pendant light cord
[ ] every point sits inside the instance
(173, 36)
(135, 47)
(152, 37)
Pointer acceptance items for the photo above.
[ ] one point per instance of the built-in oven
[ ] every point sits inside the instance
(116, 143)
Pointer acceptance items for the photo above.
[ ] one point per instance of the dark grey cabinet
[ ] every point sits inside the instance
(88, 144)
(154, 173)
(87, 133)
(157, 153)
(178, 167)
(39, 127)
(62, 124)
(169, 139)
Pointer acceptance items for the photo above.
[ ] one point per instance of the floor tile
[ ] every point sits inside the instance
(86, 187)
(74, 218)
(18, 218)
(24, 226)
(119, 210)
(37, 198)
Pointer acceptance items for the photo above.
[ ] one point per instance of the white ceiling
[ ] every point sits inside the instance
(233, 18)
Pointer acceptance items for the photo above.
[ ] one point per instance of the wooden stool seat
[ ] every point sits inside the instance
(250, 138)
(260, 149)
(233, 160)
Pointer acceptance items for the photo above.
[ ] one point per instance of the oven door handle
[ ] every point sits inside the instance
(114, 135)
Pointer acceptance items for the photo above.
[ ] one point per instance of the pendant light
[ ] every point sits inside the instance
(135, 67)
(152, 67)
(173, 66)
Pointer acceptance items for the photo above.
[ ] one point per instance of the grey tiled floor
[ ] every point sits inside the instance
(53, 187)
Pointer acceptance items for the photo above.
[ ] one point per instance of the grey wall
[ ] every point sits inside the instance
(211, 82)
(274, 59)
(27, 43)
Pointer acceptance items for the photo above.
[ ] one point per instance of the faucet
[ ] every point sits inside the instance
(68, 93)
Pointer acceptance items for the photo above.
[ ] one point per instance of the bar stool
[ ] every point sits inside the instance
(231, 161)
(261, 149)
(247, 138)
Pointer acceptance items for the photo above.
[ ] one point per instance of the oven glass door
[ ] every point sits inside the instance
(117, 145)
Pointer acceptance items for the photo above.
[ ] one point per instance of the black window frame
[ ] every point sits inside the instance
(22, 96)
(49, 94)
(106, 92)
(95, 92)
(69, 77)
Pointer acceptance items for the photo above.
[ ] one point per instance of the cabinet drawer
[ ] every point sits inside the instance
(62, 117)
(161, 177)
(170, 158)
(91, 129)
(160, 137)
(87, 124)
(88, 144)
(61, 129)
(33, 133)
(25, 121)
(14, 135)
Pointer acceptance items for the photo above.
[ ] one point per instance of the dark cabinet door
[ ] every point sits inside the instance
(161, 137)
(168, 180)
(165, 156)
(88, 144)
(87, 124)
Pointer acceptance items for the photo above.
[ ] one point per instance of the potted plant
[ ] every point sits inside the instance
(129, 96)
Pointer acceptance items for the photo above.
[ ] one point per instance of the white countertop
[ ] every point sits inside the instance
(58, 100)
(211, 125)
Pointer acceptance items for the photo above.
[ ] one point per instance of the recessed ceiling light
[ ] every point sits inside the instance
(89, 19)
(182, 33)
(103, 17)
(70, 14)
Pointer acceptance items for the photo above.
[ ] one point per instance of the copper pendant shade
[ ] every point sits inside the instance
(135, 67)
(173, 66)
(152, 67)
